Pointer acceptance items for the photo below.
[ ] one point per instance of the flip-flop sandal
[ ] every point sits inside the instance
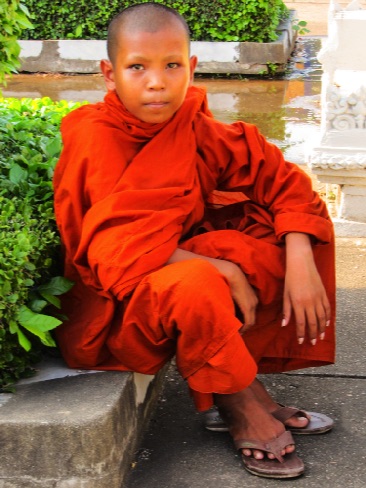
(288, 466)
(213, 421)
(318, 422)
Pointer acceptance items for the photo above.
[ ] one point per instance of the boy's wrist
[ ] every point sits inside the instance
(298, 243)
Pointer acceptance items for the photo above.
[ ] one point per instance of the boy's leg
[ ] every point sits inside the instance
(186, 309)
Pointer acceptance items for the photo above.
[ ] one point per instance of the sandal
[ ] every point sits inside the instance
(213, 421)
(288, 466)
(318, 422)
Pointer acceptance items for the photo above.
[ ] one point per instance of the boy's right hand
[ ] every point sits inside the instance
(242, 292)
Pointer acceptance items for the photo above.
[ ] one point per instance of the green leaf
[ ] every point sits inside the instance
(79, 31)
(8, 29)
(6, 288)
(53, 148)
(36, 323)
(56, 286)
(47, 340)
(51, 299)
(24, 9)
(12, 298)
(17, 174)
(13, 326)
(37, 305)
(22, 339)
(29, 266)
(23, 22)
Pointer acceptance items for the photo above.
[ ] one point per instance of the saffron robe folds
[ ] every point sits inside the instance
(128, 193)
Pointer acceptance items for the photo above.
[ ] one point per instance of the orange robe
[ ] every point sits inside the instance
(128, 193)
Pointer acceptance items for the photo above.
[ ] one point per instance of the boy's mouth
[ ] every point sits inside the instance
(156, 104)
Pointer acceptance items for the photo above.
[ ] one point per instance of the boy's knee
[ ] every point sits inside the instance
(195, 275)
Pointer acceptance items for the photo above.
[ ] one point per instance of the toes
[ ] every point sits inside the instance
(290, 448)
(255, 453)
(260, 454)
(302, 421)
(287, 450)
(298, 422)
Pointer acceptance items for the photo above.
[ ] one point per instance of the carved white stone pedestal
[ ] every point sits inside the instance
(340, 158)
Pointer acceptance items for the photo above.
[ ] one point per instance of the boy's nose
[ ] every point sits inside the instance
(156, 81)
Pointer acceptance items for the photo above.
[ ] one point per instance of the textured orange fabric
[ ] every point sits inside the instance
(230, 370)
(165, 317)
(128, 193)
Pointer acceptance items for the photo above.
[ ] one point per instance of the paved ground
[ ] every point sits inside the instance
(177, 451)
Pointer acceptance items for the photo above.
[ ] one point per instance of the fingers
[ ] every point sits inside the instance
(286, 310)
(308, 319)
(249, 319)
(312, 321)
(245, 298)
(248, 309)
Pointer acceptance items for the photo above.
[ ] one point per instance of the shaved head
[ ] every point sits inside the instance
(144, 17)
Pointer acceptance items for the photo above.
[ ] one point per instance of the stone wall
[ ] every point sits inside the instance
(79, 56)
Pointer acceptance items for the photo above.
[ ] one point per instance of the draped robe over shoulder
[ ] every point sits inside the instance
(128, 193)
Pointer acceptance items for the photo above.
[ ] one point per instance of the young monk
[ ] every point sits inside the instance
(189, 237)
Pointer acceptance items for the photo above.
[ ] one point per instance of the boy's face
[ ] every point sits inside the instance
(151, 72)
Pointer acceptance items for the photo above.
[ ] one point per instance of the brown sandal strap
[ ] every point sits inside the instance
(284, 413)
(274, 446)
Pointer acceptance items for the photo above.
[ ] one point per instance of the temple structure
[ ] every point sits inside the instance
(340, 158)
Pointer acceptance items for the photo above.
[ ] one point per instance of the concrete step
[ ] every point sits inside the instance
(71, 429)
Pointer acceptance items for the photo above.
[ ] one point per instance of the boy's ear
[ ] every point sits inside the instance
(192, 66)
(108, 73)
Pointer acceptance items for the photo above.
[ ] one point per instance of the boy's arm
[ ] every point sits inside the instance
(241, 291)
(242, 160)
(304, 291)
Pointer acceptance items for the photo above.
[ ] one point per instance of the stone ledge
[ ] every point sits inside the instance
(81, 56)
(349, 228)
(77, 431)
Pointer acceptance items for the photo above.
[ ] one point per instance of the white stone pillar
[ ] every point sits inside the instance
(340, 157)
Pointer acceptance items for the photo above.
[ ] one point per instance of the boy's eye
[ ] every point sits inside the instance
(136, 67)
(173, 65)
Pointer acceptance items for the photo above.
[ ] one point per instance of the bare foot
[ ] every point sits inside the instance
(247, 418)
(270, 405)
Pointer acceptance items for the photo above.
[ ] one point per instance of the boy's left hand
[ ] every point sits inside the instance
(304, 293)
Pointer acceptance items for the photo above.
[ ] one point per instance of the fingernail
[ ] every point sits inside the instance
(322, 335)
(313, 341)
(327, 323)
(300, 340)
(283, 323)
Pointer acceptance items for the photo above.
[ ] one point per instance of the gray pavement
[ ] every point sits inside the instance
(178, 452)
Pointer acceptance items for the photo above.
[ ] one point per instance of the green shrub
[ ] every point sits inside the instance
(30, 144)
(209, 20)
(13, 19)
